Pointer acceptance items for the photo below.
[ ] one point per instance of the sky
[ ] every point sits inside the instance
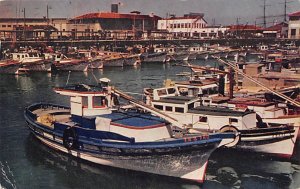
(223, 12)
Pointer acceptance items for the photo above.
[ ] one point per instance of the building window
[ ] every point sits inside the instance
(182, 25)
(169, 108)
(158, 107)
(180, 110)
(293, 32)
(178, 25)
(185, 25)
(9, 26)
(3, 26)
(203, 119)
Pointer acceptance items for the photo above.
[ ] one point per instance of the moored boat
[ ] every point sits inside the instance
(62, 63)
(131, 60)
(201, 115)
(92, 130)
(159, 57)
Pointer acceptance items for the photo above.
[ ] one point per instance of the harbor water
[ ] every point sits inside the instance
(26, 163)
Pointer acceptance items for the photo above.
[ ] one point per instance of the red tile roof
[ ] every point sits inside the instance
(276, 27)
(294, 14)
(114, 16)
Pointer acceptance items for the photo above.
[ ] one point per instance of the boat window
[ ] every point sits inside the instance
(158, 107)
(169, 108)
(171, 91)
(85, 101)
(177, 109)
(233, 120)
(99, 101)
(203, 119)
(161, 92)
(190, 106)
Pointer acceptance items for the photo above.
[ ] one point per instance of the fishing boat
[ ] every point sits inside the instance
(131, 60)
(199, 114)
(113, 61)
(32, 62)
(91, 129)
(63, 63)
(159, 57)
(9, 67)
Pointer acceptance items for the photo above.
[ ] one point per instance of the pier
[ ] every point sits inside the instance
(121, 42)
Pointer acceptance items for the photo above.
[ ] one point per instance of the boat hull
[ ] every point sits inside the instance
(179, 57)
(9, 69)
(131, 61)
(38, 66)
(81, 66)
(274, 141)
(155, 58)
(188, 161)
(113, 62)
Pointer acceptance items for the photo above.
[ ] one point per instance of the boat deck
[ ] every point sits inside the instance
(49, 116)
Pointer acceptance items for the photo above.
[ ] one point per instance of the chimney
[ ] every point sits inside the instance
(114, 8)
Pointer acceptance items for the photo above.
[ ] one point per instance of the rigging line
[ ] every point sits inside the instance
(292, 101)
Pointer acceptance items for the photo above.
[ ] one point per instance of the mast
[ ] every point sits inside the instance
(231, 65)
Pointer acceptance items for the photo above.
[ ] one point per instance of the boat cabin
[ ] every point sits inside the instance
(26, 57)
(191, 112)
(92, 108)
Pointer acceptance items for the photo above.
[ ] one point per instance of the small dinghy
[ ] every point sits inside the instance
(91, 129)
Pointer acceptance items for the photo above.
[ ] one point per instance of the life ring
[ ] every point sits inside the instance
(232, 129)
(69, 138)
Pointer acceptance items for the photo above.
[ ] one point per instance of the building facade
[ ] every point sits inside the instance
(188, 26)
(294, 26)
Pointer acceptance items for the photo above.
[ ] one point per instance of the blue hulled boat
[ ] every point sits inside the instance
(92, 129)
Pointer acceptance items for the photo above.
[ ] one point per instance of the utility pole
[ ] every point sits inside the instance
(24, 24)
(285, 9)
(265, 17)
(237, 26)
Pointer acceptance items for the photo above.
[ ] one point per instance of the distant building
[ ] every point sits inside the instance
(277, 31)
(30, 28)
(190, 25)
(213, 32)
(245, 31)
(114, 24)
(294, 25)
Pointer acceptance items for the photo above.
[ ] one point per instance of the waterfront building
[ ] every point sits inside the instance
(244, 31)
(30, 28)
(188, 26)
(100, 25)
(114, 25)
(276, 31)
(294, 25)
